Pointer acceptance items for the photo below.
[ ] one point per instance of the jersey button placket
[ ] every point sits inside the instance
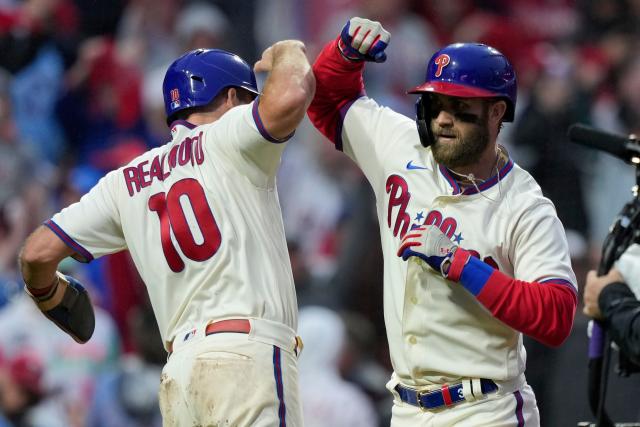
(412, 340)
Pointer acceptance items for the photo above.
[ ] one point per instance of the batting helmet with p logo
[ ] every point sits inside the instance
(467, 70)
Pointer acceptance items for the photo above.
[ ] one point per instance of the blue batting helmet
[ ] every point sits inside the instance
(471, 70)
(196, 78)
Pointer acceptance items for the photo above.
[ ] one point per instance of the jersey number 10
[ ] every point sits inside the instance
(172, 218)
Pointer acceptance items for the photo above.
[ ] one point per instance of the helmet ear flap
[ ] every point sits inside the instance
(424, 127)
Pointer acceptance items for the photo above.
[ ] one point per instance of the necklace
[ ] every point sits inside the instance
(470, 179)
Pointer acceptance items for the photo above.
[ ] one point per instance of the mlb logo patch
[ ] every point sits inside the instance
(189, 335)
(175, 98)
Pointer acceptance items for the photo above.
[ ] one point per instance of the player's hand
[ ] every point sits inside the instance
(592, 289)
(265, 63)
(429, 244)
(68, 306)
(363, 40)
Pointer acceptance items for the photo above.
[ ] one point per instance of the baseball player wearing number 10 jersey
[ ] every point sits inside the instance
(474, 255)
(201, 219)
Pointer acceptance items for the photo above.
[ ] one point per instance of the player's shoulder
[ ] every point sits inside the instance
(368, 106)
(368, 121)
(121, 177)
(525, 193)
(237, 122)
(145, 156)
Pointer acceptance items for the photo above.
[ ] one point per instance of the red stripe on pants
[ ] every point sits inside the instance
(446, 395)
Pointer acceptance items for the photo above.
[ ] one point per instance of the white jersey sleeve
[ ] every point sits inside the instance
(94, 222)
(241, 137)
(539, 249)
(371, 134)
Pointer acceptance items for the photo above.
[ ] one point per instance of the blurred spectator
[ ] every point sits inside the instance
(602, 16)
(312, 201)
(22, 194)
(327, 399)
(98, 18)
(365, 360)
(445, 17)
(560, 19)
(198, 25)
(29, 25)
(73, 106)
(360, 289)
(309, 21)
(102, 106)
(69, 367)
(241, 35)
(21, 389)
(155, 118)
(201, 25)
(305, 291)
(553, 161)
(128, 396)
(283, 19)
(611, 178)
(32, 46)
(34, 93)
(148, 26)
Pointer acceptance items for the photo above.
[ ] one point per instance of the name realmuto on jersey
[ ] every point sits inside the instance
(189, 151)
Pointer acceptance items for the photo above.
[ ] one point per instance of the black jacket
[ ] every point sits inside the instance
(621, 311)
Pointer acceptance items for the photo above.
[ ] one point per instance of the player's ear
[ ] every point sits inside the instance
(497, 110)
(232, 97)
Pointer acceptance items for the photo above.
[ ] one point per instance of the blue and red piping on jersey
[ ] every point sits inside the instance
(343, 113)
(81, 254)
(485, 185)
(256, 118)
(263, 131)
(184, 123)
(562, 282)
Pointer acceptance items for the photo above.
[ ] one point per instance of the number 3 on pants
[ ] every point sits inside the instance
(172, 217)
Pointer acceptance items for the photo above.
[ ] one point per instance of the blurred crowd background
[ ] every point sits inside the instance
(80, 94)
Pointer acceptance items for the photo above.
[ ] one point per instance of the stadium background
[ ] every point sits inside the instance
(80, 94)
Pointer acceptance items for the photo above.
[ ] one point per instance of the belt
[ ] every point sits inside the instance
(448, 395)
(241, 326)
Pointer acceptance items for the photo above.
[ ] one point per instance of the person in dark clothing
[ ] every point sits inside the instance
(610, 299)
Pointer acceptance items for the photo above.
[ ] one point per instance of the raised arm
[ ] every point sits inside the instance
(289, 87)
(338, 70)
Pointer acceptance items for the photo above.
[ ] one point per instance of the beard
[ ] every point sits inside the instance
(465, 150)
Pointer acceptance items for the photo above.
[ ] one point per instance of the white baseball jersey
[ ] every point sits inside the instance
(438, 331)
(201, 219)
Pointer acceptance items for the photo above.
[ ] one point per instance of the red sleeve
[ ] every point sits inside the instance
(541, 310)
(338, 84)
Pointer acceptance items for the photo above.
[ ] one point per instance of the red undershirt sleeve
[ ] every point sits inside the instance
(541, 310)
(338, 84)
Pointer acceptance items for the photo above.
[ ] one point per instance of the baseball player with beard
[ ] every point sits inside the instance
(201, 219)
(474, 255)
